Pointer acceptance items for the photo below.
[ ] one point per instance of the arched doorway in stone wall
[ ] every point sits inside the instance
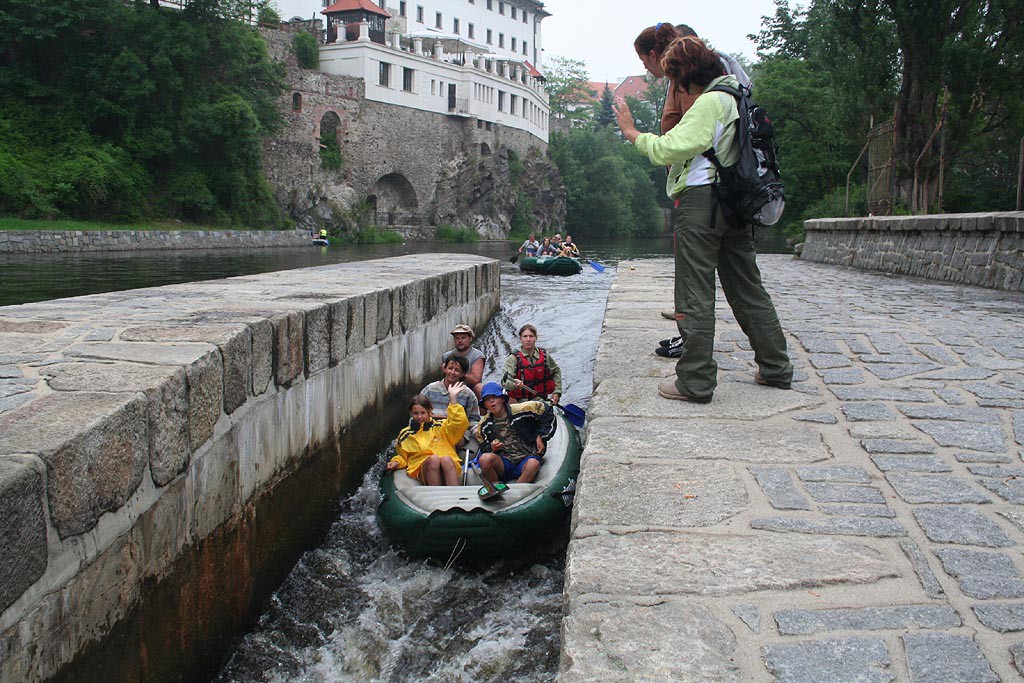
(394, 200)
(330, 147)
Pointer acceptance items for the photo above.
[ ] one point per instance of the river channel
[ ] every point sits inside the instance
(356, 608)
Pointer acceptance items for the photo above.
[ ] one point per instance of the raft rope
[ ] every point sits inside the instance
(456, 551)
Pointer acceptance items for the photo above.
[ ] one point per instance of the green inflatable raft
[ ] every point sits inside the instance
(550, 265)
(444, 521)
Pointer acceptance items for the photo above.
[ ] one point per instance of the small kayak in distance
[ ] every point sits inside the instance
(550, 265)
(440, 521)
(320, 242)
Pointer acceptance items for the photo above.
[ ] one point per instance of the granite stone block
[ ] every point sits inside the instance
(262, 355)
(981, 574)
(778, 485)
(896, 446)
(934, 488)
(930, 584)
(1001, 616)
(317, 335)
(805, 622)
(205, 381)
(938, 657)
(962, 525)
(859, 412)
(911, 463)
(841, 473)
(865, 660)
(236, 353)
(844, 526)
(977, 437)
(22, 526)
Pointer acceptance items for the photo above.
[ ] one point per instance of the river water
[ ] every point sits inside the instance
(355, 608)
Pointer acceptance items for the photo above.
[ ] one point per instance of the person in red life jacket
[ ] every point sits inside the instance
(514, 437)
(531, 372)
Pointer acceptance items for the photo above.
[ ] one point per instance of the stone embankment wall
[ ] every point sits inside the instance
(52, 241)
(985, 249)
(166, 454)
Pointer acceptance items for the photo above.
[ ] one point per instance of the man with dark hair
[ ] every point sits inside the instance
(462, 337)
(454, 371)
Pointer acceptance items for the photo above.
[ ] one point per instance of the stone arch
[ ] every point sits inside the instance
(296, 101)
(394, 199)
(330, 123)
(485, 149)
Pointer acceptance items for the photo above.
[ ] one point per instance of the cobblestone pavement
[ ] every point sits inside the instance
(866, 526)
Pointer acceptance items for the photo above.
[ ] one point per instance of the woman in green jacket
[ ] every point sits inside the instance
(704, 241)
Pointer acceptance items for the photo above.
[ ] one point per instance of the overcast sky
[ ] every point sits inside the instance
(601, 32)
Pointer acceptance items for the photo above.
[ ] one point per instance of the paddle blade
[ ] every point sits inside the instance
(574, 414)
(514, 258)
(596, 266)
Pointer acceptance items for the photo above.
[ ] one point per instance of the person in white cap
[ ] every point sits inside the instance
(462, 337)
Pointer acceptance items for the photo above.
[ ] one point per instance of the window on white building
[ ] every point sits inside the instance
(490, 37)
(513, 43)
(419, 13)
(524, 16)
(472, 33)
(501, 100)
(489, 5)
(401, 8)
(384, 75)
(438, 20)
(501, 8)
(524, 47)
(501, 40)
(513, 12)
(407, 76)
(455, 26)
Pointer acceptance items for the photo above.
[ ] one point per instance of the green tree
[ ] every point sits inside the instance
(567, 86)
(604, 115)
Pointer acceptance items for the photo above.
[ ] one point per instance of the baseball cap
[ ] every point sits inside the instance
(463, 329)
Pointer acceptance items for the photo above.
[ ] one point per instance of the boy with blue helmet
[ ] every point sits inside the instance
(514, 436)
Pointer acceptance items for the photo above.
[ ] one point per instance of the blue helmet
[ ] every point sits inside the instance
(493, 389)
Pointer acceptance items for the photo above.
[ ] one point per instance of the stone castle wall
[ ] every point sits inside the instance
(984, 249)
(166, 454)
(425, 168)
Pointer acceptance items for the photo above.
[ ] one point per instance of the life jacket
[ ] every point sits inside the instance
(534, 375)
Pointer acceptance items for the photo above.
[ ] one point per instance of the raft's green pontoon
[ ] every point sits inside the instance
(431, 520)
(550, 265)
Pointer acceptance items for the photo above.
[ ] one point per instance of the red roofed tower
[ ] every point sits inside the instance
(350, 13)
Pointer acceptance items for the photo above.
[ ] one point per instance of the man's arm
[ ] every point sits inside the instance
(475, 374)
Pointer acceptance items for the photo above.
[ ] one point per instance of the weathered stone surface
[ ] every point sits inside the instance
(827, 361)
(865, 660)
(919, 411)
(802, 622)
(856, 412)
(934, 657)
(966, 526)
(934, 488)
(914, 463)
(778, 485)
(1009, 489)
(715, 564)
(288, 348)
(658, 494)
(705, 439)
(896, 370)
(827, 492)
(262, 355)
(880, 394)
(152, 353)
(23, 529)
(1017, 654)
(977, 437)
(960, 374)
(749, 615)
(982, 575)
(237, 359)
(318, 339)
(1003, 617)
(733, 400)
(205, 379)
(896, 446)
(929, 582)
(169, 443)
(880, 430)
(856, 510)
(339, 330)
(843, 473)
(618, 641)
(845, 526)
(842, 376)
(820, 418)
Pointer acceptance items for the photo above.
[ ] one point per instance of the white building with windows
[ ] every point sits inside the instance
(465, 58)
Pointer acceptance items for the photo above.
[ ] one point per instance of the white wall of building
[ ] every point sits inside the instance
(491, 91)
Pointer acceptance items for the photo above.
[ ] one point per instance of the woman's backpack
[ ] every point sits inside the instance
(751, 190)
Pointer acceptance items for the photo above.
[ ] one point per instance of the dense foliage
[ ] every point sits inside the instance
(124, 111)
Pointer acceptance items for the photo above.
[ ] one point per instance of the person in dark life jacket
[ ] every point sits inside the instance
(531, 372)
(426, 448)
(514, 437)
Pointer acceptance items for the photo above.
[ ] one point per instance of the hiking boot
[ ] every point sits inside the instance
(674, 349)
(667, 389)
(776, 383)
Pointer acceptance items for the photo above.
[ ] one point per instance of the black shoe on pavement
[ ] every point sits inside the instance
(673, 349)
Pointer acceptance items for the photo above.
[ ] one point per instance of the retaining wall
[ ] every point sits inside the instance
(985, 249)
(50, 241)
(167, 453)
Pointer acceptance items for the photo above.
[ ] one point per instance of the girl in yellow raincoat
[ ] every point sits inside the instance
(426, 448)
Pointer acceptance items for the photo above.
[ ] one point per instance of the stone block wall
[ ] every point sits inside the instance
(167, 453)
(52, 241)
(984, 249)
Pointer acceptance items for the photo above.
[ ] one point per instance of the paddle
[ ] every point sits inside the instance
(573, 413)
(488, 490)
(596, 266)
(514, 258)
